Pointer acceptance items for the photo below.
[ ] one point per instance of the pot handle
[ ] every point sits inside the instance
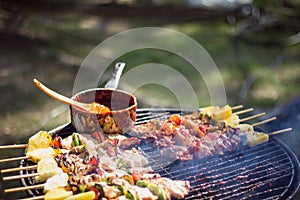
(116, 75)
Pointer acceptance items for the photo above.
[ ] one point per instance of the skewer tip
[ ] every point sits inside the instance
(264, 121)
(252, 117)
(36, 82)
(281, 131)
(237, 107)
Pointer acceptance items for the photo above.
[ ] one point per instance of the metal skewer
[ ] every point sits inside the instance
(147, 117)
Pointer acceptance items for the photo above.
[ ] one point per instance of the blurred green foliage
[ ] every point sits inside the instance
(258, 65)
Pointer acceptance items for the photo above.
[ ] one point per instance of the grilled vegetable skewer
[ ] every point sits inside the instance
(225, 114)
(80, 171)
(200, 134)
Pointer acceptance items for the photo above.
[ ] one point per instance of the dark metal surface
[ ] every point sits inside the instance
(263, 172)
(266, 171)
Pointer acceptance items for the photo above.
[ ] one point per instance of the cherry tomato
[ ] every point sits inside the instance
(136, 176)
(93, 161)
(115, 141)
(56, 142)
(96, 192)
(175, 119)
(169, 128)
(202, 128)
(98, 170)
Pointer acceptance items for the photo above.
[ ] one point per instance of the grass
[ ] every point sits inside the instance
(66, 41)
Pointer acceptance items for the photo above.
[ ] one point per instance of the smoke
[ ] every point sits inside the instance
(288, 116)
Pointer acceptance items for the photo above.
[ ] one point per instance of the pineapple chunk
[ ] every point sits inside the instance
(222, 113)
(232, 121)
(40, 140)
(209, 110)
(257, 138)
(245, 127)
(47, 167)
(59, 180)
(39, 154)
(58, 194)
(90, 195)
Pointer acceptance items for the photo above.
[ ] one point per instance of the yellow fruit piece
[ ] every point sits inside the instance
(46, 164)
(245, 127)
(40, 140)
(39, 154)
(222, 113)
(257, 138)
(58, 180)
(47, 167)
(232, 121)
(90, 195)
(129, 179)
(58, 194)
(45, 175)
(209, 110)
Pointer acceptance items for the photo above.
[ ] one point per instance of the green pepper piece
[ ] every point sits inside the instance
(121, 161)
(76, 140)
(122, 189)
(100, 189)
(125, 192)
(153, 188)
(104, 179)
(82, 188)
(109, 181)
(157, 191)
(141, 183)
(129, 196)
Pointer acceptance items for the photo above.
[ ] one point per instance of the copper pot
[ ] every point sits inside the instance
(119, 120)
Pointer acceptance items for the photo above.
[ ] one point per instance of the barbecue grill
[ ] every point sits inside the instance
(266, 171)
